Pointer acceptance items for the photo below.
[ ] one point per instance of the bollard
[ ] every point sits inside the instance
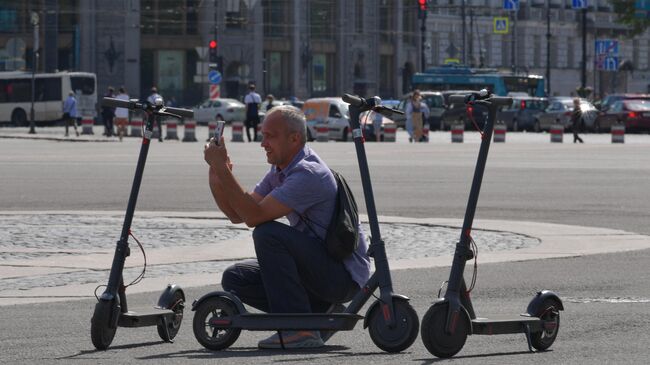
(87, 123)
(212, 127)
(190, 131)
(322, 132)
(237, 132)
(136, 127)
(618, 133)
(258, 133)
(457, 131)
(499, 134)
(425, 134)
(156, 131)
(390, 131)
(348, 137)
(557, 133)
(171, 130)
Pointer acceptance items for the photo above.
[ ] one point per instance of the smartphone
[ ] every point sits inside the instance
(218, 131)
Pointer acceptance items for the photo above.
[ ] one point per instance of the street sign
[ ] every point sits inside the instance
(607, 54)
(642, 9)
(500, 25)
(202, 52)
(215, 77)
(607, 46)
(511, 5)
(607, 63)
(579, 4)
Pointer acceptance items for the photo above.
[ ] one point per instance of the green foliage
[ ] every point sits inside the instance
(626, 14)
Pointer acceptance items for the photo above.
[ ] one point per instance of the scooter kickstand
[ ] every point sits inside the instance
(527, 332)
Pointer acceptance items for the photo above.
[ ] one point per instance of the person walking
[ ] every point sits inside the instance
(108, 113)
(70, 114)
(576, 120)
(416, 112)
(152, 100)
(122, 114)
(269, 99)
(252, 101)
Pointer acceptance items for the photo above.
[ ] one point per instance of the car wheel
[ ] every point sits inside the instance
(19, 118)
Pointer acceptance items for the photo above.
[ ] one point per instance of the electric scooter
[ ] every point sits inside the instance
(451, 319)
(111, 310)
(392, 323)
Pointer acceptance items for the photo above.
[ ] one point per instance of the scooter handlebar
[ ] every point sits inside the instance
(182, 112)
(494, 100)
(132, 105)
(117, 103)
(352, 100)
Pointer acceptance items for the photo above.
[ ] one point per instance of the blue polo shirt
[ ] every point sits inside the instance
(308, 187)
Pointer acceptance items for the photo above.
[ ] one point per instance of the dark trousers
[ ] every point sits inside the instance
(576, 138)
(108, 125)
(251, 123)
(68, 121)
(292, 274)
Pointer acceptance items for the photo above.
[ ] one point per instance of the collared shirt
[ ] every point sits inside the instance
(308, 187)
(70, 106)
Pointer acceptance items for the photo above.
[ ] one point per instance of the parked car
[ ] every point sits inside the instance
(521, 114)
(458, 113)
(228, 110)
(559, 112)
(609, 100)
(332, 111)
(263, 107)
(434, 100)
(634, 114)
(366, 120)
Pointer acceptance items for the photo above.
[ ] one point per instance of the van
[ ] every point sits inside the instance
(331, 111)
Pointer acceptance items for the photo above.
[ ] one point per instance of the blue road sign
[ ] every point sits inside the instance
(579, 4)
(215, 77)
(606, 47)
(511, 5)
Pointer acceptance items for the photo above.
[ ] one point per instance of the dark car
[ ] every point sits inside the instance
(458, 113)
(609, 100)
(634, 114)
(520, 115)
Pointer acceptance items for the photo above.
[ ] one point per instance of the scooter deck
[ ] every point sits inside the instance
(504, 325)
(290, 321)
(144, 318)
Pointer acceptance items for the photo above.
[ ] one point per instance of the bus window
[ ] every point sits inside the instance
(85, 84)
(48, 89)
(19, 90)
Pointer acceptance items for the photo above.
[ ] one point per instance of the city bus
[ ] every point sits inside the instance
(465, 78)
(51, 91)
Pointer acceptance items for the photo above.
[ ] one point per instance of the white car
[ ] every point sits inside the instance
(332, 111)
(228, 110)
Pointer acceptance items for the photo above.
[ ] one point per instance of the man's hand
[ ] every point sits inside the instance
(216, 155)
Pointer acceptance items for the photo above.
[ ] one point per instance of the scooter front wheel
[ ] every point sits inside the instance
(210, 312)
(549, 314)
(176, 304)
(399, 337)
(435, 337)
(101, 331)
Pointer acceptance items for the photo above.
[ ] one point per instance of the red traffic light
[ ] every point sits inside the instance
(213, 44)
(423, 4)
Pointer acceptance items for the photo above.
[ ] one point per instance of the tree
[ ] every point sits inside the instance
(626, 14)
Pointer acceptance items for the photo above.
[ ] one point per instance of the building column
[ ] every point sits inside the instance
(88, 31)
(132, 47)
(399, 48)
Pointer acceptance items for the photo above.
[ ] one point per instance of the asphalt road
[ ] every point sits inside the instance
(607, 297)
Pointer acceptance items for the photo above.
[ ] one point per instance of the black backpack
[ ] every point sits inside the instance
(342, 237)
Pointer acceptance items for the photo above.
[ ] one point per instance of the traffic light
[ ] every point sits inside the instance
(422, 9)
(213, 51)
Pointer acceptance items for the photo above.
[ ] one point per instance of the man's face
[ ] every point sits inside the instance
(280, 144)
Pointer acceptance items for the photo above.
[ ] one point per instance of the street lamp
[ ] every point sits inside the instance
(34, 21)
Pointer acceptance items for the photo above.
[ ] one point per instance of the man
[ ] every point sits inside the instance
(108, 113)
(293, 272)
(252, 101)
(152, 100)
(70, 114)
(576, 120)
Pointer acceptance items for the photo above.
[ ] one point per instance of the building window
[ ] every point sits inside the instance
(169, 17)
(409, 21)
(322, 74)
(236, 14)
(358, 11)
(387, 76)
(537, 51)
(277, 73)
(276, 18)
(386, 20)
(322, 17)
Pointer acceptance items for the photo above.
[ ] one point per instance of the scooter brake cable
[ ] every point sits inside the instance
(475, 273)
(471, 117)
(144, 268)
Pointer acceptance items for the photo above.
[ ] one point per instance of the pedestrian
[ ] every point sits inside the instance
(416, 113)
(108, 113)
(70, 114)
(252, 101)
(292, 272)
(122, 114)
(269, 99)
(377, 120)
(152, 99)
(576, 120)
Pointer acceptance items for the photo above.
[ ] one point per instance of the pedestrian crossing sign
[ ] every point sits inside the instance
(500, 25)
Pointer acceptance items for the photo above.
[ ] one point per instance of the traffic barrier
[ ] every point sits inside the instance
(457, 131)
(499, 134)
(390, 132)
(425, 134)
(237, 132)
(189, 134)
(212, 127)
(322, 132)
(136, 127)
(156, 131)
(557, 133)
(87, 123)
(618, 134)
(172, 132)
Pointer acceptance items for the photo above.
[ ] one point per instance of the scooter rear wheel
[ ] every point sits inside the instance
(210, 337)
(436, 339)
(176, 304)
(402, 335)
(549, 313)
(101, 332)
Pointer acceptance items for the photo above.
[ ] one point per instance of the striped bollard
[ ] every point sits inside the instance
(212, 127)
(349, 137)
(156, 131)
(87, 123)
(322, 132)
(425, 134)
(618, 133)
(136, 127)
(172, 132)
(237, 132)
(390, 131)
(499, 134)
(189, 134)
(457, 131)
(557, 133)
(258, 133)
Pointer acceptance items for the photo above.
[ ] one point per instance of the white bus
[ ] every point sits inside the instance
(51, 91)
